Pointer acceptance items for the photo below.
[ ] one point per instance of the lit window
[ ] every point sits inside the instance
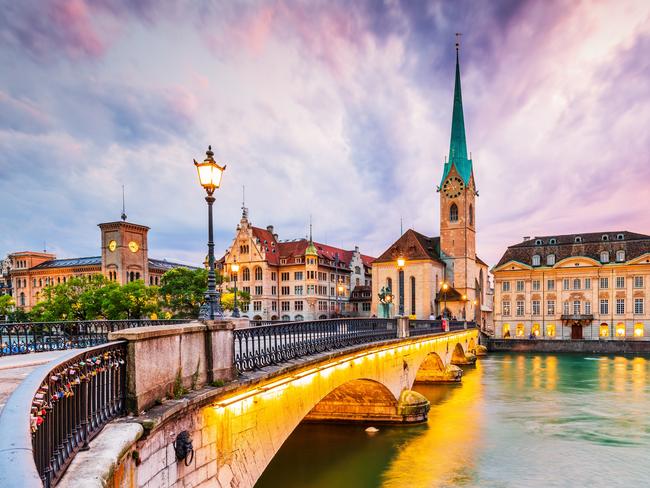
(520, 330)
(638, 330)
(620, 330)
(535, 330)
(550, 330)
(603, 331)
(505, 332)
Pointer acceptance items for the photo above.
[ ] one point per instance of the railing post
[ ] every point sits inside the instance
(85, 414)
(403, 327)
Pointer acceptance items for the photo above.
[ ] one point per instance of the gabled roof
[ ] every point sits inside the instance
(589, 245)
(411, 246)
(268, 244)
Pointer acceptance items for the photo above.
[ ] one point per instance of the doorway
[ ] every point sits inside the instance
(576, 331)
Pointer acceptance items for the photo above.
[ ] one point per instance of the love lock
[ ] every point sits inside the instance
(183, 447)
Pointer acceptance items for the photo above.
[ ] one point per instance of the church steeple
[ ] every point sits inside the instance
(458, 143)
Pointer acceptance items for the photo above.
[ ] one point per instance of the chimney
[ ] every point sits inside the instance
(526, 238)
(269, 228)
(356, 248)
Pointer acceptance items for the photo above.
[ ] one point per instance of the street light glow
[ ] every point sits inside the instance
(210, 172)
(401, 262)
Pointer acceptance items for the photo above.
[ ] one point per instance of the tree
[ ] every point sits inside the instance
(228, 299)
(182, 291)
(76, 299)
(6, 305)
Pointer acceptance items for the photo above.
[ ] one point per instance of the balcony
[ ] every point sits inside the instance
(577, 318)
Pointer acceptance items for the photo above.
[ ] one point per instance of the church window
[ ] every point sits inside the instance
(258, 273)
(22, 299)
(453, 213)
(536, 260)
(389, 283)
(246, 274)
(471, 214)
(604, 257)
(412, 295)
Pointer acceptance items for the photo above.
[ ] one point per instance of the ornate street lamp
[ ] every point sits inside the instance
(234, 267)
(385, 298)
(339, 292)
(210, 174)
(464, 307)
(445, 287)
(401, 262)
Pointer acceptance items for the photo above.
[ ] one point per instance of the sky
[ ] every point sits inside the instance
(336, 110)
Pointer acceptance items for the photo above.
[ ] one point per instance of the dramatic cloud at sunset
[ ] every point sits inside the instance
(339, 110)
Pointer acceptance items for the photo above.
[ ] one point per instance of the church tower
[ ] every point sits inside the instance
(457, 203)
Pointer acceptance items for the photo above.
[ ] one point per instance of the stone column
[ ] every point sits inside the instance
(221, 359)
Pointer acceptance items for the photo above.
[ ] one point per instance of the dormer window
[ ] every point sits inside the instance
(605, 237)
(536, 260)
(620, 256)
(550, 259)
(553, 240)
(620, 237)
(538, 242)
(577, 239)
(604, 257)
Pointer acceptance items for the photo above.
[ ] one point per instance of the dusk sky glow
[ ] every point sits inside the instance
(341, 110)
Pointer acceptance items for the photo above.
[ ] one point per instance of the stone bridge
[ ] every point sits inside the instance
(237, 432)
(179, 378)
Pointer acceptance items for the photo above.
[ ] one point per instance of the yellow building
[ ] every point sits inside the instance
(124, 258)
(573, 287)
(435, 276)
(296, 279)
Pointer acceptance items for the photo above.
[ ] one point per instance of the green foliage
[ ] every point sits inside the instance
(6, 306)
(182, 291)
(228, 299)
(178, 391)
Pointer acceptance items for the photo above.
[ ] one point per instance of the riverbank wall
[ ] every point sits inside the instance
(579, 346)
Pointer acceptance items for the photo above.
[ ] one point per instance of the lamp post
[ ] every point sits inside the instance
(465, 307)
(234, 267)
(445, 287)
(475, 303)
(339, 291)
(210, 174)
(401, 262)
(385, 298)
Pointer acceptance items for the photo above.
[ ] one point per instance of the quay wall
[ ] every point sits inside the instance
(570, 346)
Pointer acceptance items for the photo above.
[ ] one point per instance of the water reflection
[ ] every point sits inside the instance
(516, 420)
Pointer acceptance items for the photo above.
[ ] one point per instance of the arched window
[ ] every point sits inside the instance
(603, 330)
(535, 330)
(246, 274)
(550, 330)
(471, 214)
(620, 256)
(620, 330)
(550, 260)
(22, 299)
(520, 330)
(357, 270)
(536, 260)
(258, 273)
(604, 257)
(137, 276)
(453, 213)
(132, 276)
(638, 330)
(412, 295)
(505, 331)
(299, 318)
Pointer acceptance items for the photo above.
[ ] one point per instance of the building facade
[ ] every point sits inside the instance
(124, 258)
(576, 286)
(297, 279)
(5, 279)
(441, 275)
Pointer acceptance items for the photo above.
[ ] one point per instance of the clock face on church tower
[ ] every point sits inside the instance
(453, 187)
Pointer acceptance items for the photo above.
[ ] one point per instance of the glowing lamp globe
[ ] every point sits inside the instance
(210, 172)
(234, 267)
(401, 262)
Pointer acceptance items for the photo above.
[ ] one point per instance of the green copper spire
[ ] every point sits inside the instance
(311, 248)
(458, 143)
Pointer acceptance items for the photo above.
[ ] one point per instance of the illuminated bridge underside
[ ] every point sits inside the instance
(373, 386)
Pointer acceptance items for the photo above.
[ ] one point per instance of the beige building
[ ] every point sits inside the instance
(574, 286)
(124, 258)
(441, 275)
(297, 279)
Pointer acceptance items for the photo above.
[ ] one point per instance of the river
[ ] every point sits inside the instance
(516, 420)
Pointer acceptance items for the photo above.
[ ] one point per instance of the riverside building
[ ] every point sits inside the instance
(296, 279)
(124, 258)
(575, 286)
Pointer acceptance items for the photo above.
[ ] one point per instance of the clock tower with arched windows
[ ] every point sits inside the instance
(457, 204)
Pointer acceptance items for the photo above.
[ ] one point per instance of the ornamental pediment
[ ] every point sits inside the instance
(576, 262)
(512, 266)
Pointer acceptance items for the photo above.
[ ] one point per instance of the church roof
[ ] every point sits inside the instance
(589, 245)
(458, 144)
(411, 246)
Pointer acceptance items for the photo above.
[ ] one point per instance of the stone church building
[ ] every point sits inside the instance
(436, 276)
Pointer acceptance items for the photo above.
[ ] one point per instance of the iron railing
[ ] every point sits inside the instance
(57, 410)
(26, 337)
(422, 327)
(257, 347)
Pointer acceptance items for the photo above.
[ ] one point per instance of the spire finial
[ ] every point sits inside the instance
(244, 210)
(310, 237)
(458, 34)
(123, 206)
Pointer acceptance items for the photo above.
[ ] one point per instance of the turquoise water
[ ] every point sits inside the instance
(517, 420)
